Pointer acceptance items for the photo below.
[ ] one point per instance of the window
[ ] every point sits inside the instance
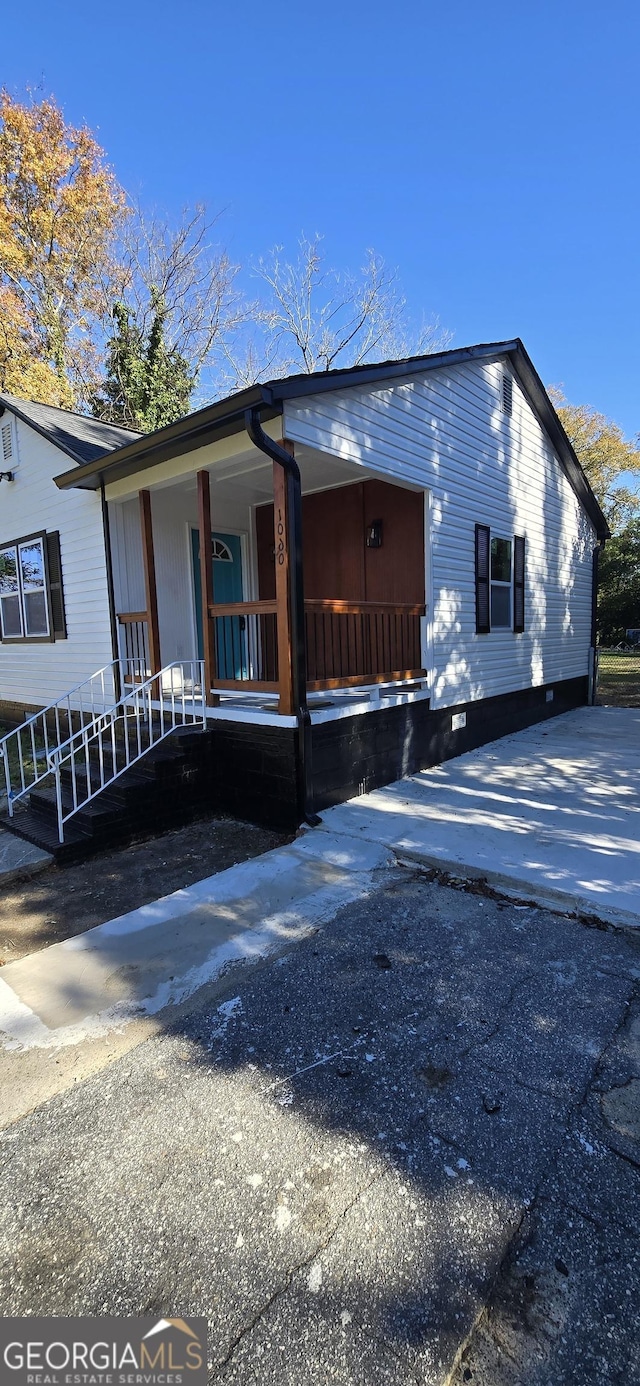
(31, 600)
(221, 551)
(500, 582)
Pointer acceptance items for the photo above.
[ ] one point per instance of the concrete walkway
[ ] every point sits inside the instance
(551, 813)
(160, 954)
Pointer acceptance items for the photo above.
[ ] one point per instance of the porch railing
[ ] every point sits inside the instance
(133, 639)
(99, 753)
(351, 643)
(24, 751)
(246, 646)
(348, 644)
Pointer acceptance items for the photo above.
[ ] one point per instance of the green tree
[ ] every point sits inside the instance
(619, 585)
(148, 383)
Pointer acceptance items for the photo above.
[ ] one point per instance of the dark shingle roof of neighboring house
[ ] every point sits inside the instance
(83, 439)
(227, 416)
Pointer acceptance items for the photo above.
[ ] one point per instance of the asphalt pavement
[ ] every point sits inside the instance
(404, 1149)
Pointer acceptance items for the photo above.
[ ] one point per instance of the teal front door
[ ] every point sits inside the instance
(231, 640)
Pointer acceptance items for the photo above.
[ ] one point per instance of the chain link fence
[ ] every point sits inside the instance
(618, 677)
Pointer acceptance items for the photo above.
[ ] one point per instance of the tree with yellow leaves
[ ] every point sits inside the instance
(60, 211)
(610, 460)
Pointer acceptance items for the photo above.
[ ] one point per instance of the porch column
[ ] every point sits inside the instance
(282, 541)
(206, 587)
(151, 593)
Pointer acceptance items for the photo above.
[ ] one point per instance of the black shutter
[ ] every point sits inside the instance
(518, 583)
(483, 587)
(56, 594)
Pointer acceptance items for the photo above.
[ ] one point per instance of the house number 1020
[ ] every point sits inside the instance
(280, 549)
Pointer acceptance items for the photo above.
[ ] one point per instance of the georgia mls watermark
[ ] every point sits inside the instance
(103, 1352)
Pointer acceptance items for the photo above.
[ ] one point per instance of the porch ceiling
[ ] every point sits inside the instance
(248, 476)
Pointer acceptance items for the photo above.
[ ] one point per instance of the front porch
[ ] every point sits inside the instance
(204, 567)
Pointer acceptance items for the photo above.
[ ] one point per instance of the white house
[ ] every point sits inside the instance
(362, 571)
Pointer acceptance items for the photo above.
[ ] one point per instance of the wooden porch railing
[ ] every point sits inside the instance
(351, 643)
(133, 642)
(246, 645)
(348, 644)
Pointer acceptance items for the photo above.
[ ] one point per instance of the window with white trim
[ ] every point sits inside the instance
(501, 571)
(31, 599)
(220, 550)
(500, 581)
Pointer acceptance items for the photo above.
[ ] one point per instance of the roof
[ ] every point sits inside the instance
(83, 439)
(227, 416)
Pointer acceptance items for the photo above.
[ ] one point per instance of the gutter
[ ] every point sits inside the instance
(593, 671)
(284, 459)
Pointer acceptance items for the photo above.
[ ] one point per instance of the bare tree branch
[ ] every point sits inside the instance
(314, 318)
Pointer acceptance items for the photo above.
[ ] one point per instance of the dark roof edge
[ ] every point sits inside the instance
(543, 408)
(4, 404)
(227, 417)
(193, 431)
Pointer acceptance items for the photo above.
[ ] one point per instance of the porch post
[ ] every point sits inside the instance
(206, 587)
(282, 541)
(148, 560)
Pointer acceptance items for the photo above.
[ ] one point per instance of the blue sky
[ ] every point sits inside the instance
(490, 152)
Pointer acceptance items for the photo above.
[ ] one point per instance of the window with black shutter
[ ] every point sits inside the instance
(500, 581)
(56, 594)
(31, 595)
(518, 583)
(483, 581)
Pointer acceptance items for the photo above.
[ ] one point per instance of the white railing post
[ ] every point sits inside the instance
(89, 741)
(7, 780)
(59, 802)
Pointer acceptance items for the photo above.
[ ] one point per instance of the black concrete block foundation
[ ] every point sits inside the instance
(355, 754)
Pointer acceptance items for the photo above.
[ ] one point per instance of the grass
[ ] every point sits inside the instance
(619, 678)
(27, 757)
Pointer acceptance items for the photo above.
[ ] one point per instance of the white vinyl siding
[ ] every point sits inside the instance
(36, 674)
(446, 431)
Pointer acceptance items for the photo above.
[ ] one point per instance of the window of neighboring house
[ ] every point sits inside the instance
(31, 601)
(500, 583)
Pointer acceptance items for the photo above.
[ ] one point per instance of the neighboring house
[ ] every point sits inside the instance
(428, 583)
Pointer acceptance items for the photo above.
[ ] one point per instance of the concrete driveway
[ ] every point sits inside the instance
(551, 813)
(378, 1130)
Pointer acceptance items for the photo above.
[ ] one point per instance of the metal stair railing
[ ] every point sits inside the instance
(96, 755)
(25, 749)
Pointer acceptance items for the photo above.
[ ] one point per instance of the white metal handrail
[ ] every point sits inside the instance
(98, 754)
(25, 749)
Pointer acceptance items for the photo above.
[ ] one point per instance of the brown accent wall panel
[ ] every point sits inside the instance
(337, 563)
(333, 543)
(395, 572)
(264, 546)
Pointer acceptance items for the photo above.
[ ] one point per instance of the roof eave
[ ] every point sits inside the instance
(208, 425)
(225, 418)
(4, 404)
(548, 418)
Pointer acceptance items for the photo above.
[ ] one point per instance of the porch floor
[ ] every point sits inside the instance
(323, 706)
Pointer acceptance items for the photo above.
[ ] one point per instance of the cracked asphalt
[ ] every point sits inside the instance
(406, 1151)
